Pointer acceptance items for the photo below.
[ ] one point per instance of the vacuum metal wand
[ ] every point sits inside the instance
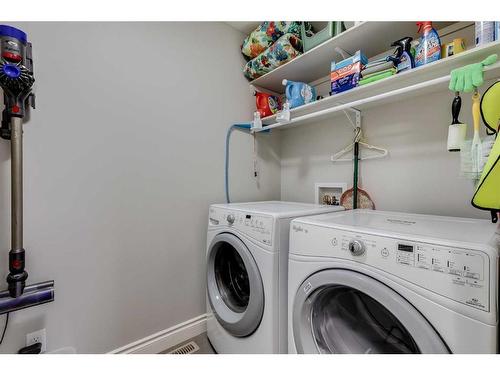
(17, 182)
(17, 276)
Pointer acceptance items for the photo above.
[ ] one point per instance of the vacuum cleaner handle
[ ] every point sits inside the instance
(16, 82)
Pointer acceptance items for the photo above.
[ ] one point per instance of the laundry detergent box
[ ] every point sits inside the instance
(346, 74)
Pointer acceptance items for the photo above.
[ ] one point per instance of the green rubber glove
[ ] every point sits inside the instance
(468, 77)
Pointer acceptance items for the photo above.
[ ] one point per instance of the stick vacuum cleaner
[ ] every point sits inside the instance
(16, 82)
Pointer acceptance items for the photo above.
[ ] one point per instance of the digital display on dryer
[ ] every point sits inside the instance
(406, 248)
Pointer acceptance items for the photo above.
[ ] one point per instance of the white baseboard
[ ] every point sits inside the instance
(165, 339)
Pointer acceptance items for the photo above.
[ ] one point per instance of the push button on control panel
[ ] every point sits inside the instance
(472, 275)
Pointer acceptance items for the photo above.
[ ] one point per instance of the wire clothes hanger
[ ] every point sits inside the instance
(381, 152)
(355, 159)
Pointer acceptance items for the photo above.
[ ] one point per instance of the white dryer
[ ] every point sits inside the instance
(247, 261)
(384, 282)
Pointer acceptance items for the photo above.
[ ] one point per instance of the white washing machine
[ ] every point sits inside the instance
(384, 282)
(247, 261)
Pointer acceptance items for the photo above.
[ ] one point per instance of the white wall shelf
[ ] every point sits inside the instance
(372, 38)
(419, 81)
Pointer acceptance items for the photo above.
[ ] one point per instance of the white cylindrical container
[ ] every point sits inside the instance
(456, 136)
(485, 32)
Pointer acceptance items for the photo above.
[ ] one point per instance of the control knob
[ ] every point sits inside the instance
(230, 218)
(356, 247)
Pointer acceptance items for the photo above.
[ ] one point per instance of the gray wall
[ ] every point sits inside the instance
(419, 175)
(123, 155)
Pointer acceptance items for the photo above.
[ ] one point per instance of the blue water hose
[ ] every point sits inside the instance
(244, 127)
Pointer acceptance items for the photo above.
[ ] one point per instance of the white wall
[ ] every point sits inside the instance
(123, 155)
(419, 175)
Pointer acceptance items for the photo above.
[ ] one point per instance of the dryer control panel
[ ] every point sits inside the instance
(460, 274)
(258, 227)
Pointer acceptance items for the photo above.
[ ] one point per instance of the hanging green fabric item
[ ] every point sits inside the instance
(490, 107)
(487, 195)
(471, 76)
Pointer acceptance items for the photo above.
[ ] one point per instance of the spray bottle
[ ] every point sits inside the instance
(429, 45)
(404, 58)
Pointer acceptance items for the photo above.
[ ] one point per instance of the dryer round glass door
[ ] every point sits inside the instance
(231, 277)
(343, 311)
(234, 285)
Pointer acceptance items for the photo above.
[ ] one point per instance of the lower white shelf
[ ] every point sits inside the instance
(424, 80)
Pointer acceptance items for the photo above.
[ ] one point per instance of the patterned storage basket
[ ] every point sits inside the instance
(286, 48)
(266, 34)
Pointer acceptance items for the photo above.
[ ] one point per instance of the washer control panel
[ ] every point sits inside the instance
(460, 274)
(259, 227)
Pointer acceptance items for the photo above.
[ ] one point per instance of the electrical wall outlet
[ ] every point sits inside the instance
(39, 336)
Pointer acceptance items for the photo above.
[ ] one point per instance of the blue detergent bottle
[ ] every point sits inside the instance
(298, 93)
(429, 45)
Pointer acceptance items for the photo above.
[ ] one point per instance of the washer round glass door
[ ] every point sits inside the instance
(234, 285)
(343, 311)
